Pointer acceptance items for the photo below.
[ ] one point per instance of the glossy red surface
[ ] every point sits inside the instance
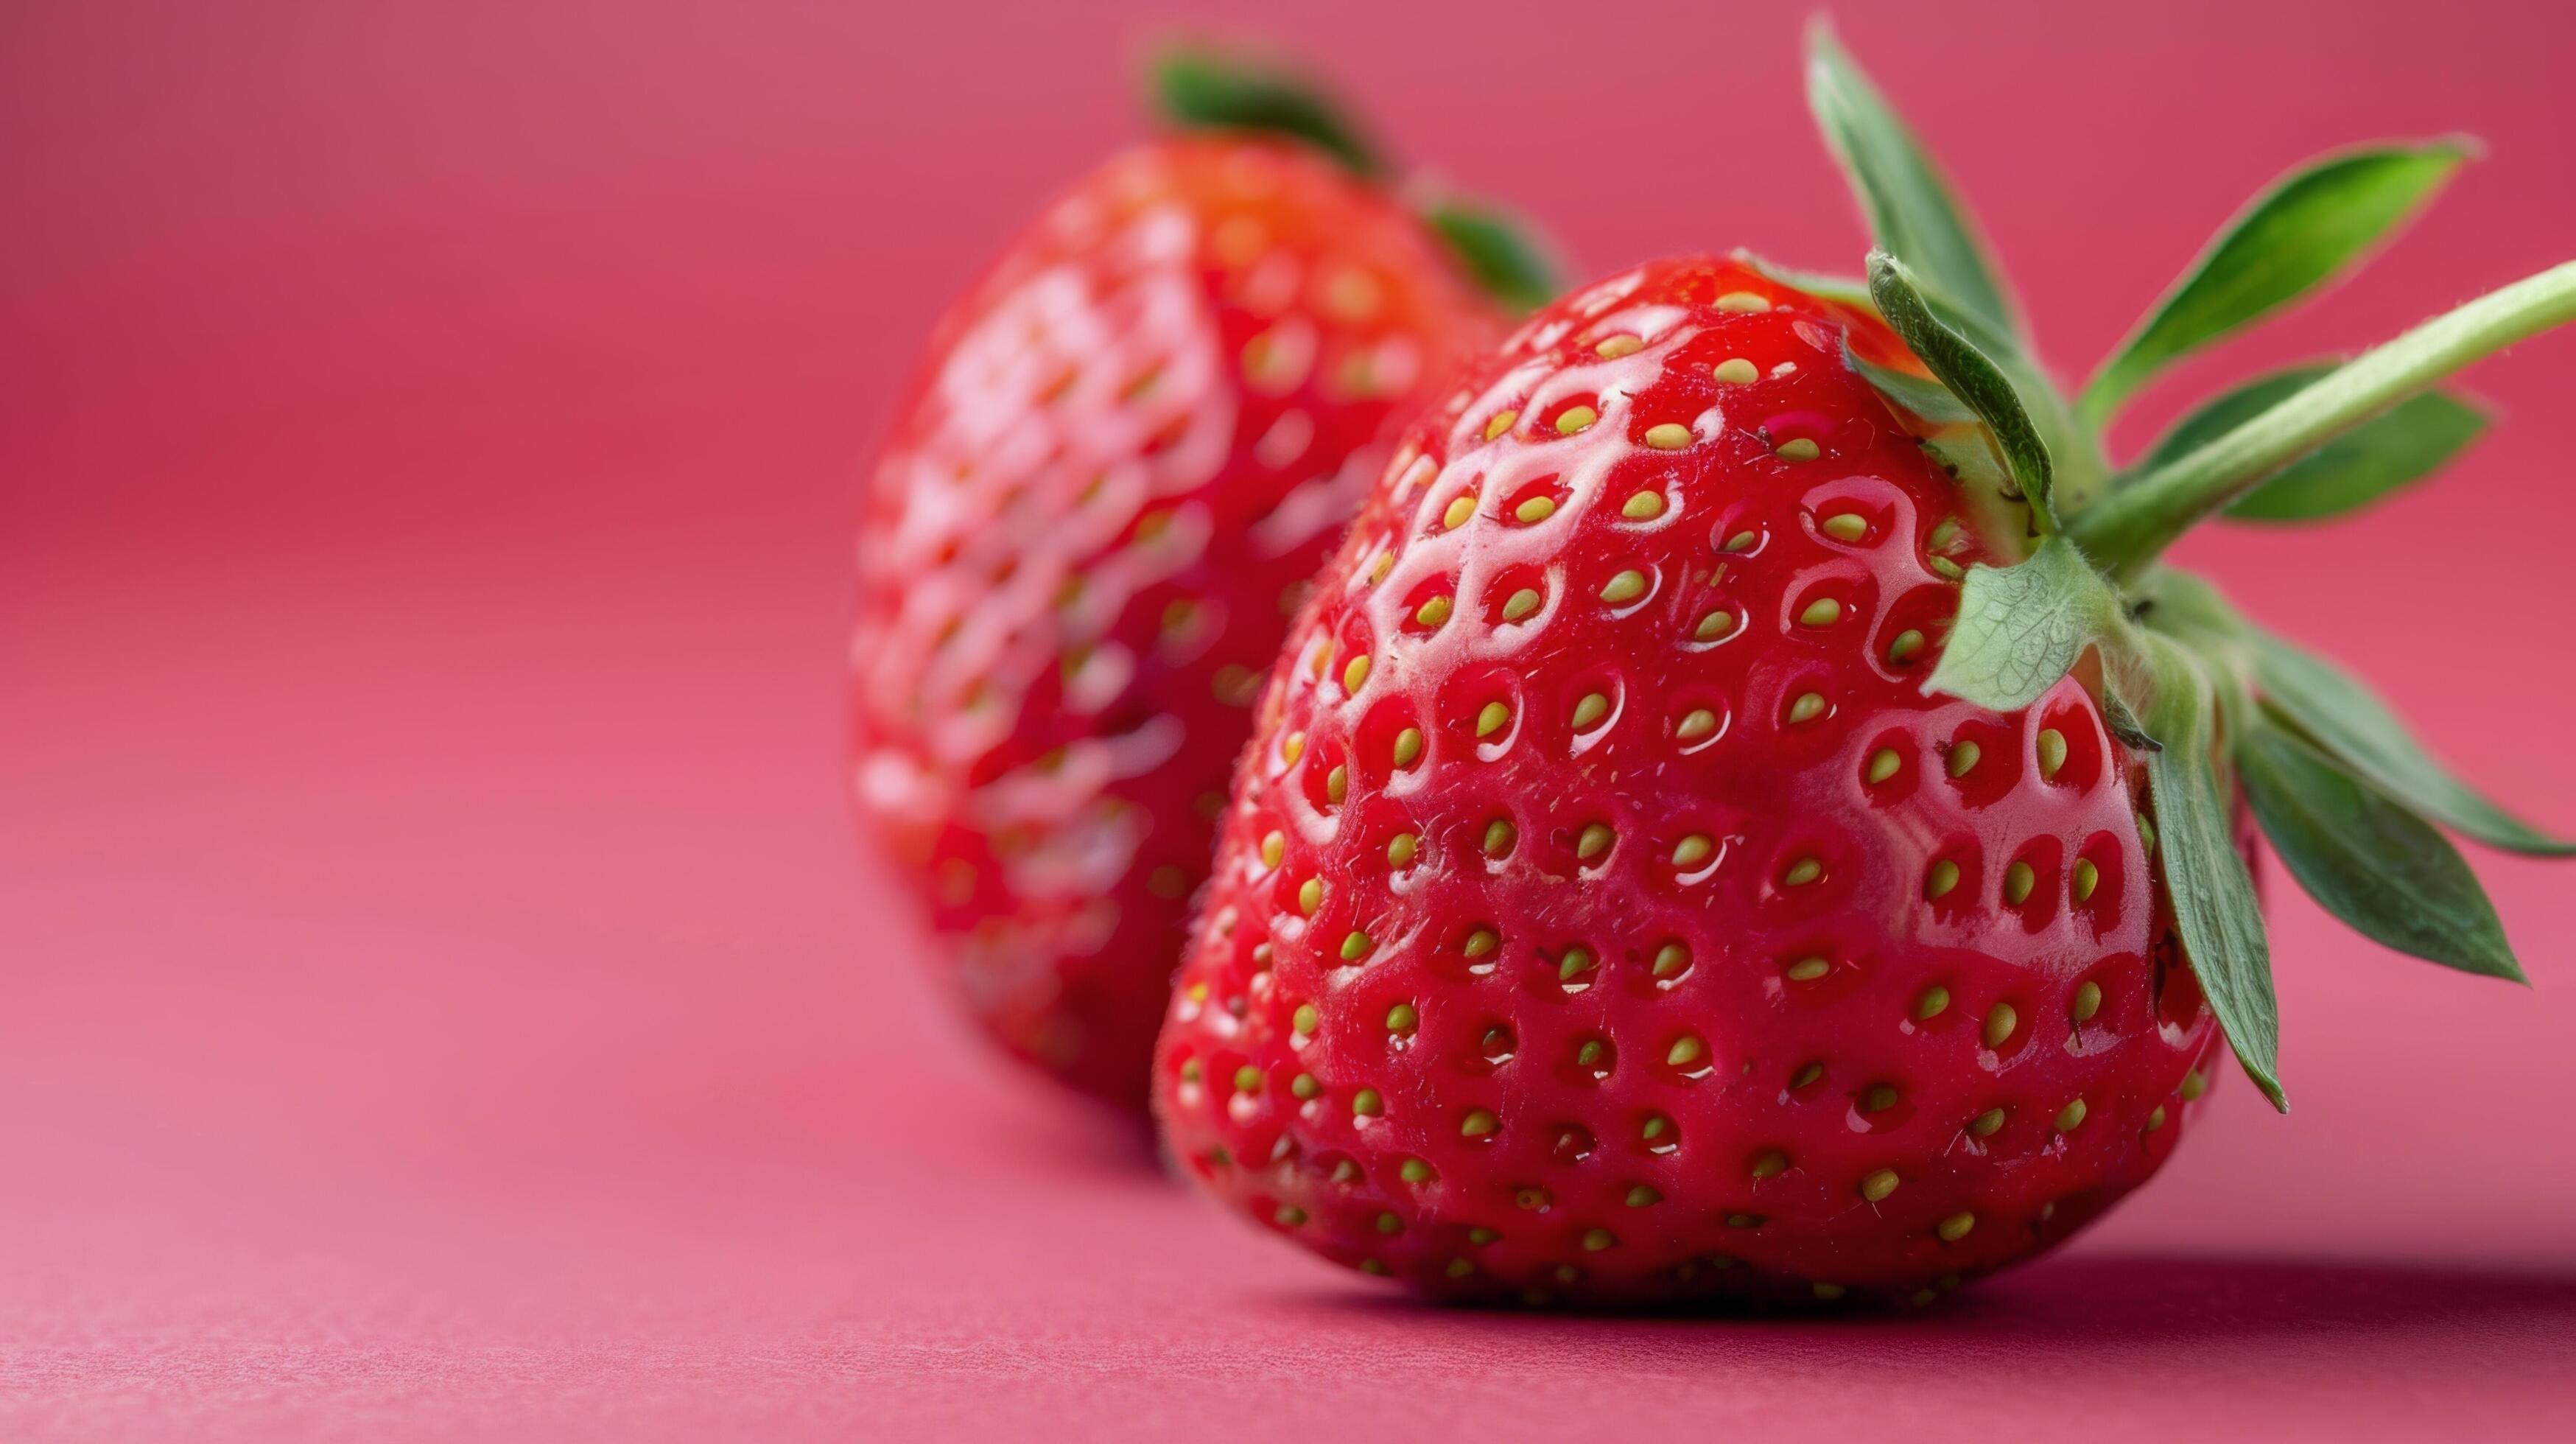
(439, 993)
(1636, 928)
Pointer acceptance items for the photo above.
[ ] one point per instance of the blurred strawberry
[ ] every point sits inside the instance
(1133, 441)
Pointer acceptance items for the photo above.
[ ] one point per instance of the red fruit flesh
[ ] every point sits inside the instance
(1627, 983)
(1133, 442)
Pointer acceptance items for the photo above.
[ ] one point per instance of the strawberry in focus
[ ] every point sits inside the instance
(1133, 442)
(1746, 815)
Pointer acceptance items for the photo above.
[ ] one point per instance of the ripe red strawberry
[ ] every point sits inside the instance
(1133, 441)
(1701, 839)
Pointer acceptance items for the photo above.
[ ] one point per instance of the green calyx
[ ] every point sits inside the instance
(1201, 89)
(2220, 708)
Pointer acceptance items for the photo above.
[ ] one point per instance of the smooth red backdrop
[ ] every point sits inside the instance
(439, 990)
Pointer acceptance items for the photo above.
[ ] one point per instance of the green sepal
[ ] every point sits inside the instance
(1845, 290)
(1500, 250)
(2402, 445)
(1909, 204)
(1920, 395)
(2305, 229)
(1971, 375)
(2216, 915)
(1201, 89)
(2344, 718)
(2381, 869)
(2020, 628)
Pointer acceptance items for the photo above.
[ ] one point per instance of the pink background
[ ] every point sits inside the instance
(438, 990)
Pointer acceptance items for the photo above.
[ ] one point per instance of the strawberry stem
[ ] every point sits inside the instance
(2128, 528)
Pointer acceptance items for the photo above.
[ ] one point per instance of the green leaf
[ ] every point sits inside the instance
(1970, 374)
(2404, 444)
(1908, 203)
(1200, 89)
(2305, 229)
(2368, 861)
(2020, 628)
(2215, 912)
(1921, 395)
(1500, 250)
(2352, 725)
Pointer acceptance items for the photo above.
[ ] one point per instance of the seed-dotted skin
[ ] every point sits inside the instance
(1728, 963)
(1135, 440)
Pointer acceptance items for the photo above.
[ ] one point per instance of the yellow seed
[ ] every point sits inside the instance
(1292, 747)
(1883, 764)
(1693, 850)
(1401, 1018)
(2087, 877)
(1499, 836)
(1878, 1098)
(2052, 751)
(1737, 371)
(1401, 848)
(1574, 419)
(1305, 1019)
(1905, 645)
(1481, 942)
(1645, 505)
(1956, 1226)
(1740, 542)
(1477, 1124)
(1802, 872)
(1594, 841)
(1668, 436)
(1808, 706)
(1743, 301)
(2018, 881)
(1643, 1196)
(2088, 1001)
(1879, 1184)
(1367, 1104)
(1627, 586)
(1501, 422)
(1304, 1086)
(1273, 847)
(1433, 612)
(1388, 1223)
(1849, 526)
(1697, 723)
(1290, 1215)
(1408, 746)
(1590, 710)
(2071, 1117)
(1491, 719)
(1617, 346)
(2156, 1119)
(1459, 1268)
(2001, 1020)
(1337, 785)
(1807, 970)
(1822, 612)
(1713, 626)
(1597, 1240)
(2194, 1083)
(1356, 673)
(1520, 604)
(1685, 1051)
(1536, 509)
(1310, 896)
(1963, 758)
(1414, 1170)
(1247, 1079)
(1948, 568)
(1985, 1124)
(1460, 508)
(1932, 1004)
(1806, 1075)
(1670, 959)
(1769, 1163)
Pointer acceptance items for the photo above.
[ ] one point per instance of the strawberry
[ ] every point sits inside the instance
(1745, 815)
(1133, 441)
